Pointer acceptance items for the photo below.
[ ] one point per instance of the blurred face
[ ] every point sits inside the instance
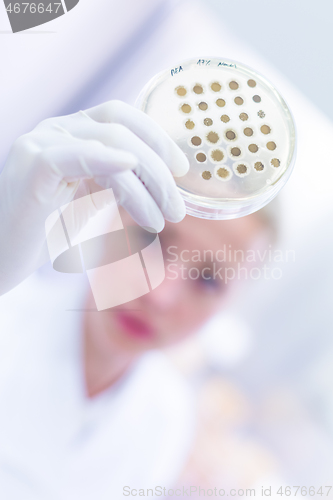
(194, 287)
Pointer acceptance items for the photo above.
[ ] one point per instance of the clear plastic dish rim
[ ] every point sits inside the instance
(229, 208)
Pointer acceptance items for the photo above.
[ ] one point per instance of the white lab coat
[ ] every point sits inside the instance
(57, 444)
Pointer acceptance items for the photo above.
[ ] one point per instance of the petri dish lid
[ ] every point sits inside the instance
(234, 127)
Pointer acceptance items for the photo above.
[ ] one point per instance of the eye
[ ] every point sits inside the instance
(208, 283)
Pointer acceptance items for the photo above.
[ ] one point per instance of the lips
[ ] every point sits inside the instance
(134, 326)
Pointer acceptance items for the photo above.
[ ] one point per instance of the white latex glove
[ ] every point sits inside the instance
(113, 145)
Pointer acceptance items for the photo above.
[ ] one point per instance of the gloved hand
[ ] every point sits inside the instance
(112, 145)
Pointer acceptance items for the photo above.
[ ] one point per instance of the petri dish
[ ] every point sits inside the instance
(234, 127)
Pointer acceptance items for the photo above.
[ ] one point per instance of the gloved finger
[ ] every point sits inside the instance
(131, 194)
(77, 213)
(83, 159)
(151, 169)
(144, 127)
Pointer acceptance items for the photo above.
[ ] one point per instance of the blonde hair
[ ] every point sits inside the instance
(270, 216)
